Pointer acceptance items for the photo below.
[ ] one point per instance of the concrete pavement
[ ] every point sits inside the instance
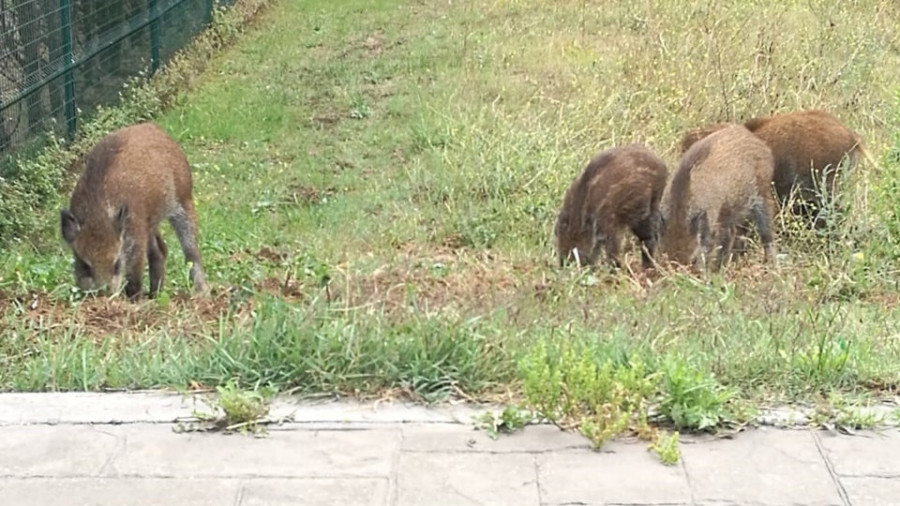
(120, 449)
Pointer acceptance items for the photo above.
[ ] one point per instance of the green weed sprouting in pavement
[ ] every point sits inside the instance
(508, 420)
(233, 409)
(572, 386)
(666, 447)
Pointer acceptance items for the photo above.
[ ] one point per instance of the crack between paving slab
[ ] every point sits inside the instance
(469, 499)
(687, 477)
(376, 422)
(581, 503)
(239, 495)
(144, 476)
(873, 476)
(336, 423)
(502, 452)
(53, 423)
(845, 498)
(121, 442)
(537, 479)
(52, 477)
(393, 479)
(642, 504)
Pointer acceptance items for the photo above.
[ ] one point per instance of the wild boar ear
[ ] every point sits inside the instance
(121, 219)
(68, 225)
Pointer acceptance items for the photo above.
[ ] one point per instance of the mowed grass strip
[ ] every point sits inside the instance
(377, 183)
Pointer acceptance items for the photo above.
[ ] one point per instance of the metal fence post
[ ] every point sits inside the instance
(4, 138)
(65, 16)
(154, 35)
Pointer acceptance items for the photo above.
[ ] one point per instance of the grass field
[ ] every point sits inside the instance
(377, 183)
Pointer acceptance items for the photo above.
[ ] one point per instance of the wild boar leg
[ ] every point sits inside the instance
(612, 250)
(704, 238)
(156, 257)
(763, 219)
(134, 276)
(647, 231)
(726, 237)
(184, 221)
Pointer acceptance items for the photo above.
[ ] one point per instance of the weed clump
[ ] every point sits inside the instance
(507, 421)
(233, 410)
(572, 387)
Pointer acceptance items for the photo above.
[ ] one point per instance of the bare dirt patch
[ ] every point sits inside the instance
(288, 287)
(371, 47)
(267, 253)
(438, 278)
(420, 280)
(328, 119)
(102, 317)
(374, 43)
(379, 90)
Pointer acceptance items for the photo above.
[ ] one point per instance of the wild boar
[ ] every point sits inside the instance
(809, 148)
(620, 188)
(722, 182)
(134, 178)
(693, 136)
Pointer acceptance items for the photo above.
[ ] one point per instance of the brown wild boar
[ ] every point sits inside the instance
(133, 179)
(808, 147)
(722, 182)
(620, 188)
(693, 136)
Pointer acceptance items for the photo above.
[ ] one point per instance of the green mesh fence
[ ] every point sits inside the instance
(60, 59)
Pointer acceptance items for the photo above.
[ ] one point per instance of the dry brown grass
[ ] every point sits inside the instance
(104, 318)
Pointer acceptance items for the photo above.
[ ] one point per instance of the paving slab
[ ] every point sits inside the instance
(622, 473)
(800, 415)
(866, 454)
(121, 449)
(872, 491)
(116, 492)
(309, 411)
(764, 466)
(461, 438)
(78, 407)
(426, 479)
(159, 452)
(66, 450)
(314, 492)
(162, 407)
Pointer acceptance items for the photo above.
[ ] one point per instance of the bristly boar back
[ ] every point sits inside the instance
(619, 189)
(722, 181)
